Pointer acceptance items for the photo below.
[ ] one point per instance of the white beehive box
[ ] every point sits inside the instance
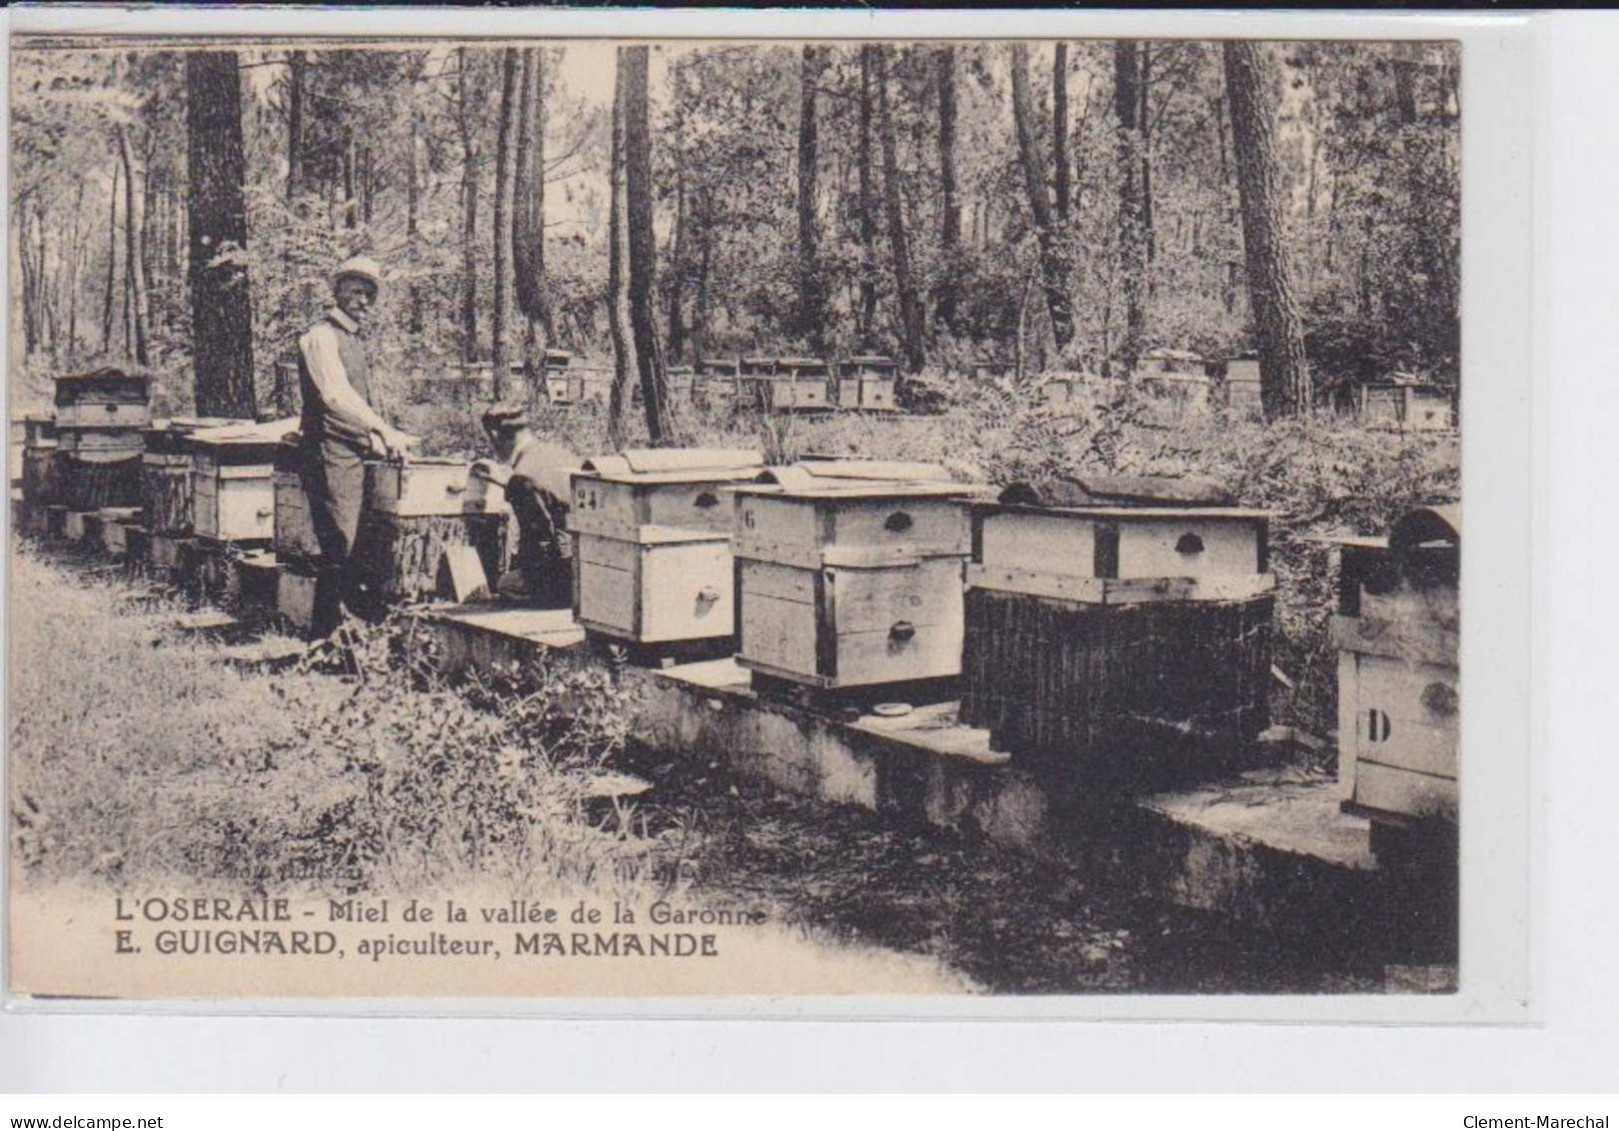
(420, 486)
(232, 478)
(875, 380)
(1116, 540)
(849, 573)
(1398, 634)
(652, 558)
(614, 496)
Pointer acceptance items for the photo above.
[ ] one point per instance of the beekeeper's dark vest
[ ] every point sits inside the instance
(316, 423)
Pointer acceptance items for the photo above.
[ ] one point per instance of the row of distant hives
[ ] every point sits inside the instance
(759, 384)
(868, 384)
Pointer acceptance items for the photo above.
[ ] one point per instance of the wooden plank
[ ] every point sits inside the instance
(606, 596)
(614, 553)
(685, 592)
(293, 529)
(769, 579)
(295, 599)
(875, 600)
(900, 652)
(1404, 792)
(461, 576)
(104, 414)
(1410, 733)
(929, 526)
(417, 487)
(1115, 591)
(779, 635)
(1415, 640)
(1036, 543)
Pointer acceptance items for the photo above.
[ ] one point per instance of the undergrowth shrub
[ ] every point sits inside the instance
(137, 756)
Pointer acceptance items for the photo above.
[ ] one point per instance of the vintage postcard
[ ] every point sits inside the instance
(698, 518)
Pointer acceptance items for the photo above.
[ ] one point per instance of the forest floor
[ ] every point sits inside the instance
(198, 769)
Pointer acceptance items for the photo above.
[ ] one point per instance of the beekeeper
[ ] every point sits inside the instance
(339, 428)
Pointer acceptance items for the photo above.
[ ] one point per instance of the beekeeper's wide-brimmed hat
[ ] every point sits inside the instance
(359, 267)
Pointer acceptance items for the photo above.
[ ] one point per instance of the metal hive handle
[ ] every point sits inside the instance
(902, 631)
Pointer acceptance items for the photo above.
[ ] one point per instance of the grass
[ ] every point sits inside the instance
(137, 753)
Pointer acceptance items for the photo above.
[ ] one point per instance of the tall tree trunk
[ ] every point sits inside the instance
(221, 307)
(74, 264)
(677, 269)
(1284, 379)
(134, 250)
(1144, 155)
(643, 247)
(30, 318)
(413, 209)
(469, 215)
(112, 262)
(295, 124)
(1059, 132)
(1132, 207)
(350, 212)
(910, 305)
(625, 366)
(528, 193)
(502, 224)
(950, 235)
(868, 204)
(811, 299)
(1053, 265)
(701, 307)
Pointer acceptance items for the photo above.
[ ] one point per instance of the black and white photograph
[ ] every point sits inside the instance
(699, 518)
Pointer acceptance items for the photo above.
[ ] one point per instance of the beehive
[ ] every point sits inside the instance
(715, 384)
(166, 480)
(33, 448)
(556, 375)
(652, 558)
(874, 379)
(104, 399)
(419, 486)
(1242, 388)
(782, 384)
(1398, 632)
(293, 537)
(1107, 615)
(233, 482)
(1406, 405)
(849, 573)
(590, 385)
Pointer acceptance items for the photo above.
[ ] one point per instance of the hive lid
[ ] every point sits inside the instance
(1118, 491)
(675, 464)
(243, 433)
(67, 387)
(845, 478)
(1426, 527)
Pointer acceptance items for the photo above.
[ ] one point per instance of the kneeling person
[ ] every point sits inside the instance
(535, 474)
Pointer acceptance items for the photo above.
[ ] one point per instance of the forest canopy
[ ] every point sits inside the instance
(1074, 203)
